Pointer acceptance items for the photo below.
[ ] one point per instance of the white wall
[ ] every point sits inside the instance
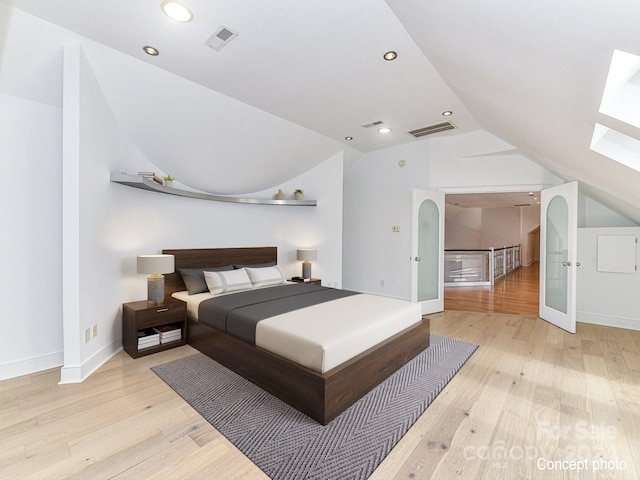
(105, 224)
(463, 227)
(378, 196)
(602, 297)
(500, 227)
(31, 216)
(593, 214)
(31, 288)
(116, 223)
(481, 162)
(530, 234)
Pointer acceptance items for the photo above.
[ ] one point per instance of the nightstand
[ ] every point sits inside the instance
(144, 316)
(312, 281)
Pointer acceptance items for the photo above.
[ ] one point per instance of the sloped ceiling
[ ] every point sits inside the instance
(317, 64)
(207, 140)
(530, 73)
(533, 74)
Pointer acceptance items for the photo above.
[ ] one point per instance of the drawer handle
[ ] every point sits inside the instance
(160, 310)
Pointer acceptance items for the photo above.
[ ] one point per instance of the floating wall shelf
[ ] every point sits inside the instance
(144, 183)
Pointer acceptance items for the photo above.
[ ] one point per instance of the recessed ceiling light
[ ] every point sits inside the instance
(447, 113)
(384, 130)
(348, 139)
(177, 11)
(150, 51)
(391, 55)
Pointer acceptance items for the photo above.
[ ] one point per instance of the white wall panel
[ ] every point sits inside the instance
(607, 298)
(31, 216)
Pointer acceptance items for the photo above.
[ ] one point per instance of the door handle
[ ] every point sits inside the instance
(566, 264)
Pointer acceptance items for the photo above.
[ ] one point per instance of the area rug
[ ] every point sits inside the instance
(286, 444)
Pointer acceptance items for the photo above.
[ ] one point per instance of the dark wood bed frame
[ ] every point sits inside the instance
(322, 396)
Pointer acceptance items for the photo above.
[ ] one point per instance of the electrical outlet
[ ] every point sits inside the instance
(95, 330)
(87, 335)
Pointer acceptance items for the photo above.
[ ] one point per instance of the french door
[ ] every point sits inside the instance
(558, 262)
(427, 250)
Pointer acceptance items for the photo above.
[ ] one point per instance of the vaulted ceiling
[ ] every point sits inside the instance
(533, 74)
(530, 73)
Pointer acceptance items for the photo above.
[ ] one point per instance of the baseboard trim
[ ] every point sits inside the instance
(79, 373)
(608, 320)
(31, 365)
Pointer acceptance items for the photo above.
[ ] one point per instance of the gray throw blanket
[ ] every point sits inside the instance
(239, 313)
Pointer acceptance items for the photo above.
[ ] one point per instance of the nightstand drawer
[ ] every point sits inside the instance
(152, 317)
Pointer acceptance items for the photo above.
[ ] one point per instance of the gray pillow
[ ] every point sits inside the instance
(193, 278)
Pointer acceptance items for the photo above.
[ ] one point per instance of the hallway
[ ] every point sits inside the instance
(516, 294)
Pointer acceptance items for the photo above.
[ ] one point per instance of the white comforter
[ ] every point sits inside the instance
(323, 336)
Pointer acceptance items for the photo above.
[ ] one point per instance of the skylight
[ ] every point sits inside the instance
(620, 100)
(617, 146)
(621, 97)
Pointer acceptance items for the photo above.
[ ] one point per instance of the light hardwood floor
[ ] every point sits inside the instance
(531, 393)
(518, 293)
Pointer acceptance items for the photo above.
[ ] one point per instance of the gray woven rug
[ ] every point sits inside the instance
(287, 444)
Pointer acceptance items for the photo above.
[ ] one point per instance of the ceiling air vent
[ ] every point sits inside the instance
(440, 127)
(220, 38)
(372, 124)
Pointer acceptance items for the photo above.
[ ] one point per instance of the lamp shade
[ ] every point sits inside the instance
(307, 254)
(155, 264)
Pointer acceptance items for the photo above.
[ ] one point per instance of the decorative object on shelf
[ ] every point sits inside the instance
(150, 184)
(279, 196)
(152, 176)
(298, 194)
(306, 255)
(168, 181)
(155, 266)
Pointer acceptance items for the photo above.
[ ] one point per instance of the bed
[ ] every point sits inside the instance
(320, 391)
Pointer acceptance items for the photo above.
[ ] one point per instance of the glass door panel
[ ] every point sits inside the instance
(427, 284)
(558, 246)
(428, 235)
(557, 236)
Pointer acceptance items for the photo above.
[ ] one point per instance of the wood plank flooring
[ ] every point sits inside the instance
(518, 293)
(531, 395)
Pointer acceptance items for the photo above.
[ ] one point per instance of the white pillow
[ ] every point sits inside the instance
(265, 276)
(227, 281)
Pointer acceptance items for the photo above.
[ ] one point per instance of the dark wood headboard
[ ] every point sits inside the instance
(213, 257)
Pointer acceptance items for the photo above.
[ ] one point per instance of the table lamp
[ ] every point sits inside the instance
(307, 254)
(155, 266)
